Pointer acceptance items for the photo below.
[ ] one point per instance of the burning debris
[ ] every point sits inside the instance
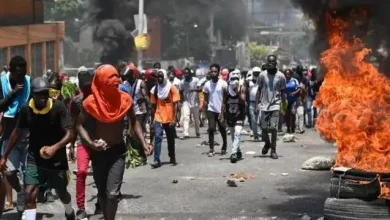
(353, 98)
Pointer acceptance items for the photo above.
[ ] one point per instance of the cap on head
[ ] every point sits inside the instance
(256, 69)
(272, 58)
(40, 84)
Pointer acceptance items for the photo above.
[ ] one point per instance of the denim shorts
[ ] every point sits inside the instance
(17, 157)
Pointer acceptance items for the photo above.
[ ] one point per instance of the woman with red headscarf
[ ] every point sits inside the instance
(107, 106)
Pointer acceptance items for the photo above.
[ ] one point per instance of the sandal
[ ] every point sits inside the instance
(8, 207)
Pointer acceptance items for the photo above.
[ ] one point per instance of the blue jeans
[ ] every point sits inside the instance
(311, 113)
(235, 132)
(159, 129)
(254, 117)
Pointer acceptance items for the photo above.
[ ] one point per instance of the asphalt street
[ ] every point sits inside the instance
(280, 189)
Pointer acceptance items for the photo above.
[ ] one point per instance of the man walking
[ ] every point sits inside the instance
(214, 91)
(235, 112)
(270, 95)
(50, 127)
(136, 88)
(108, 106)
(164, 98)
(83, 152)
(252, 91)
(14, 93)
(189, 90)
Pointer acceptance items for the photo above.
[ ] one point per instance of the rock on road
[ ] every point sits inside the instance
(280, 189)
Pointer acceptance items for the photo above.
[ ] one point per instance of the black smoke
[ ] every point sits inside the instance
(113, 22)
(373, 29)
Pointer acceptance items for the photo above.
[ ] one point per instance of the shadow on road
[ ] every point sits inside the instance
(123, 196)
(16, 216)
(306, 195)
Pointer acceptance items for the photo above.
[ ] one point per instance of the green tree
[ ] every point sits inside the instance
(258, 53)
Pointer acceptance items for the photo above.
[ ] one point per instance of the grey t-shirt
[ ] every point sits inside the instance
(192, 97)
(271, 87)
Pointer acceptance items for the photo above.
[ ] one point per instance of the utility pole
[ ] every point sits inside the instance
(140, 30)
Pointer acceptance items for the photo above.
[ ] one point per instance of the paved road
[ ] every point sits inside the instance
(280, 189)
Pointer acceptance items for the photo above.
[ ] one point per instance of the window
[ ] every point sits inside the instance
(18, 51)
(3, 57)
(50, 55)
(36, 60)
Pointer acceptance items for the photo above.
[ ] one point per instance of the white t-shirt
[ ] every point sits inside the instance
(215, 91)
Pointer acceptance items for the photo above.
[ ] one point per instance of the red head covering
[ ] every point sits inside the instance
(107, 103)
(225, 74)
(178, 73)
(149, 74)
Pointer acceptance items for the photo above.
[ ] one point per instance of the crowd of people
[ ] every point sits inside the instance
(120, 105)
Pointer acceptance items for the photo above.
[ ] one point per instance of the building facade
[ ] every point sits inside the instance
(23, 32)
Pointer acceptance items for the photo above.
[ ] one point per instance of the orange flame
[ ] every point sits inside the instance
(355, 103)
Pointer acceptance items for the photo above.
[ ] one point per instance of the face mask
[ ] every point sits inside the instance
(235, 83)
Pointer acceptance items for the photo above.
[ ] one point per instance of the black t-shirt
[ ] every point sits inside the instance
(46, 130)
(235, 111)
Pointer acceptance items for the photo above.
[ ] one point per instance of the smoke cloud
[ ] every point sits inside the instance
(373, 30)
(113, 23)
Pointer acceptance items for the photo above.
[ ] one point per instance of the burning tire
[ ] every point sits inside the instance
(355, 209)
(352, 188)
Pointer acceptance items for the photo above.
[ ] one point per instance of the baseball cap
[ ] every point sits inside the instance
(256, 69)
(40, 84)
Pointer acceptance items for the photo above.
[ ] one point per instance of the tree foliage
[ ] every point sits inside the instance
(258, 53)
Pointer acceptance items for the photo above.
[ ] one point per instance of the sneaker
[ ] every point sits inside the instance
(155, 165)
(97, 209)
(197, 135)
(257, 139)
(265, 149)
(211, 153)
(223, 152)
(173, 161)
(71, 216)
(233, 158)
(81, 215)
(184, 137)
(251, 133)
(49, 196)
(239, 155)
(274, 155)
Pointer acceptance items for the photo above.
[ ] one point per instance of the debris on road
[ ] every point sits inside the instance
(250, 152)
(239, 176)
(318, 163)
(231, 183)
(274, 218)
(289, 138)
(304, 145)
(284, 174)
(175, 181)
